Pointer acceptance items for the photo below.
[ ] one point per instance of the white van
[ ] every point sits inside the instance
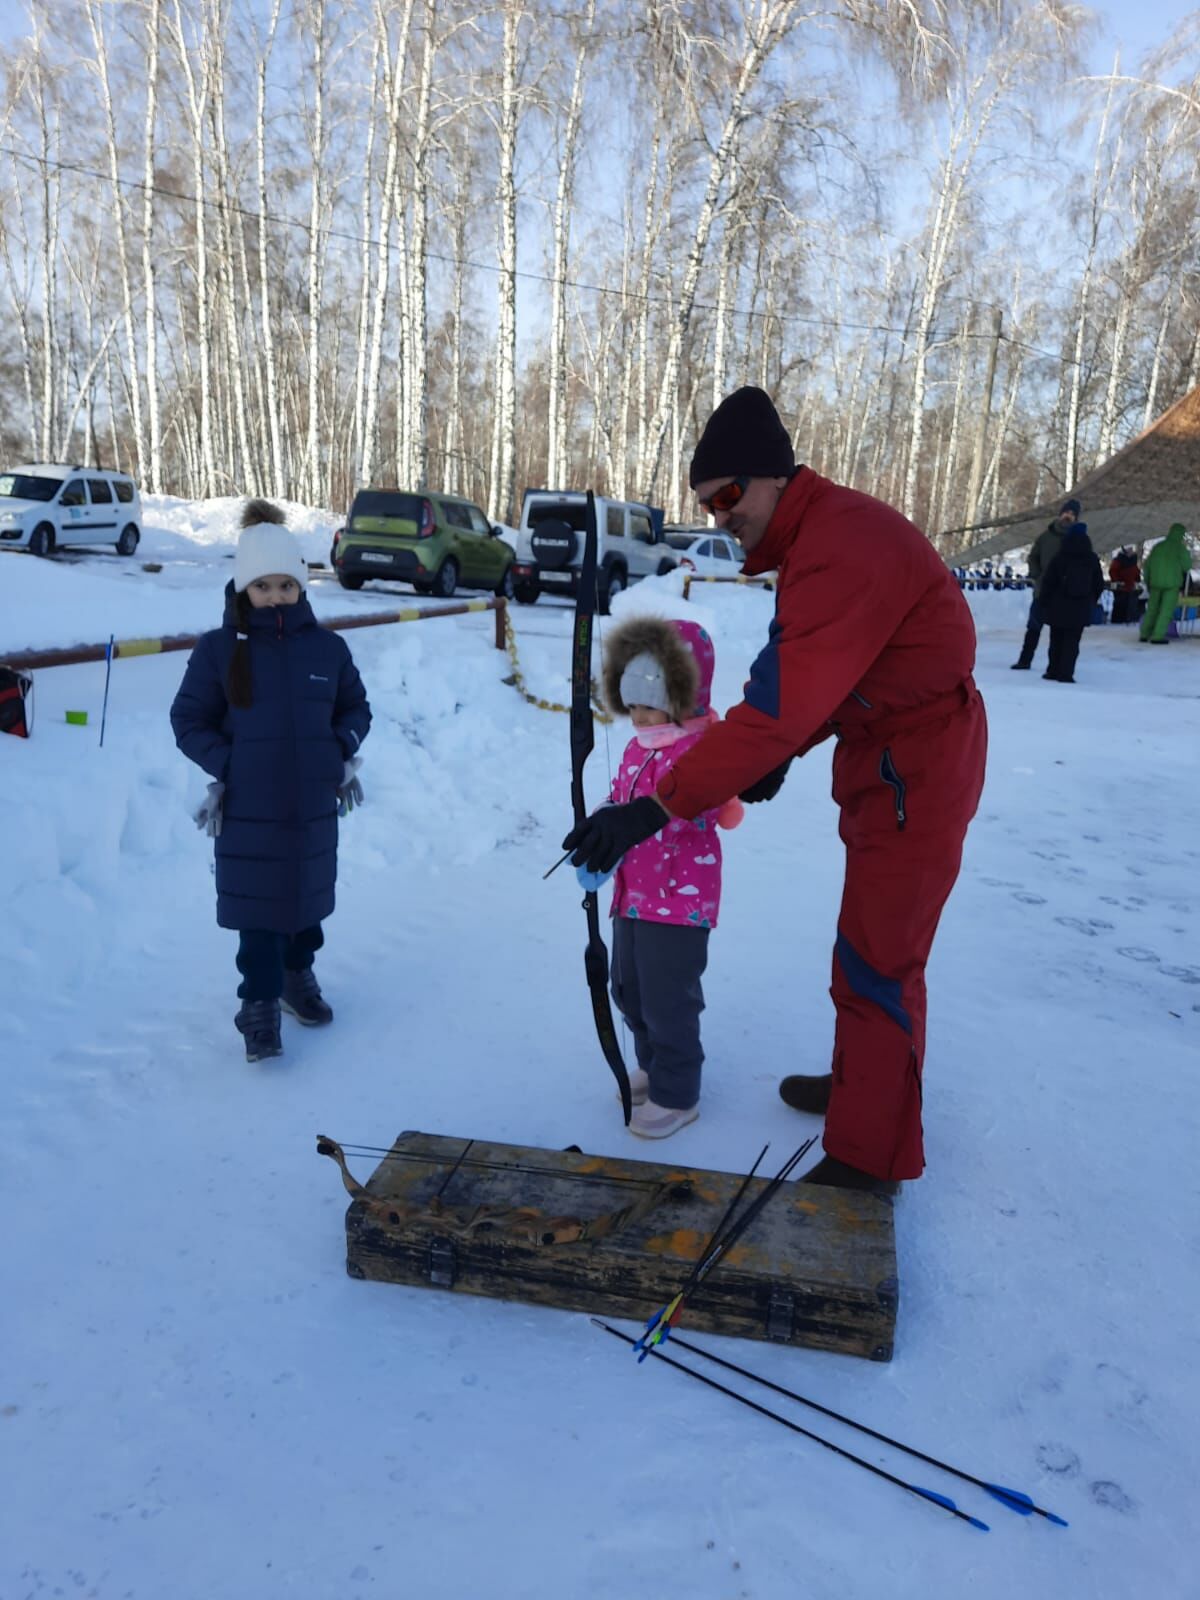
(549, 555)
(44, 506)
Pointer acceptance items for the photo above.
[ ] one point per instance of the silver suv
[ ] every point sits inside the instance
(629, 545)
(44, 506)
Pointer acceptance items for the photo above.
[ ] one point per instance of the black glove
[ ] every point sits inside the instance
(600, 841)
(767, 788)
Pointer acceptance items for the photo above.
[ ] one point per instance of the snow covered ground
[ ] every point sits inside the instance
(196, 1402)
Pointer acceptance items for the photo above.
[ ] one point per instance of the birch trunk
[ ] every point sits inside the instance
(366, 211)
(950, 463)
(118, 212)
(317, 150)
(154, 463)
(241, 465)
(1096, 212)
(770, 22)
(50, 189)
(1160, 341)
(975, 480)
(556, 449)
(393, 73)
(266, 319)
(504, 453)
(198, 89)
(416, 420)
(970, 129)
(455, 435)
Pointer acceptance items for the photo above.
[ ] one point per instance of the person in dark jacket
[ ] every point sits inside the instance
(1045, 547)
(1124, 575)
(1070, 589)
(273, 709)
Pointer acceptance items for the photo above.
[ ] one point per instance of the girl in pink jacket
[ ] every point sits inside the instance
(667, 890)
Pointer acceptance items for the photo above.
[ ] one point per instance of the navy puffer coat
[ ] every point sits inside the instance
(280, 759)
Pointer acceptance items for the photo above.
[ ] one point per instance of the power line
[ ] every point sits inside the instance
(347, 237)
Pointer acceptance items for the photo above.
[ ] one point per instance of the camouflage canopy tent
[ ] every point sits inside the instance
(1132, 497)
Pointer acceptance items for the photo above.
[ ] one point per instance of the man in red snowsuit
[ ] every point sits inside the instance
(873, 644)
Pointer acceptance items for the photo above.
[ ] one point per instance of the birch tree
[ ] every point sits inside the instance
(556, 470)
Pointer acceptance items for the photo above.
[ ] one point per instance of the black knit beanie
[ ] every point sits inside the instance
(1072, 505)
(743, 438)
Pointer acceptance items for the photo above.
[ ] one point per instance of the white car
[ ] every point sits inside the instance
(44, 506)
(550, 540)
(707, 555)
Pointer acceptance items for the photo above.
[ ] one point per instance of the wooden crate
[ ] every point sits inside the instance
(611, 1237)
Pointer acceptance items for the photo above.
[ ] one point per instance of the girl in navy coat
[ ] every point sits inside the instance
(273, 709)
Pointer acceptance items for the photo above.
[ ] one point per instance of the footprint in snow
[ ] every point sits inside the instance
(1058, 1458)
(1184, 974)
(1113, 1496)
(1135, 952)
(999, 883)
(1028, 899)
(1091, 927)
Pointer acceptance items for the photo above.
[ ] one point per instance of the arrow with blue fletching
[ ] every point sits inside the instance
(1014, 1499)
(925, 1494)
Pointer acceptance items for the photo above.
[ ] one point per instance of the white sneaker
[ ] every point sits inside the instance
(660, 1122)
(639, 1087)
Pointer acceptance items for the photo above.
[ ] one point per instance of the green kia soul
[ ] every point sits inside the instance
(433, 541)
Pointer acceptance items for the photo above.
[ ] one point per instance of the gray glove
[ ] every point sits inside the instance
(350, 790)
(208, 818)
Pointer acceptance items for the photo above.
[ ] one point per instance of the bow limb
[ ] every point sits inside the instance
(331, 1148)
(583, 737)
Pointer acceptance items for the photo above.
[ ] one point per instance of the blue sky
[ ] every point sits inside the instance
(1137, 25)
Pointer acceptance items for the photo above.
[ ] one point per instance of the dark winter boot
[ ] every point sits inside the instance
(1025, 660)
(836, 1174)
(302, 998)
(258, 1023)
(807, 1094)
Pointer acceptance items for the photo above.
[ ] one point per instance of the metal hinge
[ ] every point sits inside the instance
(781, 1315)
(441, 1264)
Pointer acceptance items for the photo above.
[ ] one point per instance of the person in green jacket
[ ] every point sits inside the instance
(1165, 573)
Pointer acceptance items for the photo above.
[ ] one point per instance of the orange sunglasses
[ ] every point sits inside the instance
(726, 497)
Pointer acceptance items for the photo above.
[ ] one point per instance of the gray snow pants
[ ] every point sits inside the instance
(656, 972)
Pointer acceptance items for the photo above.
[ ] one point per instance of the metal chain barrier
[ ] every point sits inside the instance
(517, 679)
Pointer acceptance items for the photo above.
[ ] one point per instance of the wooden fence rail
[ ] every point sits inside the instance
(72, 655)
(694, 577)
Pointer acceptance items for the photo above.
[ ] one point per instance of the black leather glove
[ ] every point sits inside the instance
(600, 841)
(767, 788)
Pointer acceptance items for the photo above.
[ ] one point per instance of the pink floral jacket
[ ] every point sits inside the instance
(674, 877)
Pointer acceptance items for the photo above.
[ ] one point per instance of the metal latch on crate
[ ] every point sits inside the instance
(442, 1263)
(781, 1315)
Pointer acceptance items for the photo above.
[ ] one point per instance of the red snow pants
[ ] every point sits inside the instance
(907, 787)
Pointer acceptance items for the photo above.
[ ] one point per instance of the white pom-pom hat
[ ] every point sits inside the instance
(265, 549)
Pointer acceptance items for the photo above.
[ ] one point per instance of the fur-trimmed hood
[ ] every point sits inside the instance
(683, 650)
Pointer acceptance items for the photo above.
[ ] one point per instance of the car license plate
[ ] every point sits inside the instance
(374, 555)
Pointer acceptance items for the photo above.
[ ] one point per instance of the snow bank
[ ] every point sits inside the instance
(183, 1348)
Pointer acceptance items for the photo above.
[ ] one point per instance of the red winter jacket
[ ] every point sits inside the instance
(869, 622)
(1125, 574)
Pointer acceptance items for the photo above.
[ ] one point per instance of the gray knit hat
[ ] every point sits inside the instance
(643, 683)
